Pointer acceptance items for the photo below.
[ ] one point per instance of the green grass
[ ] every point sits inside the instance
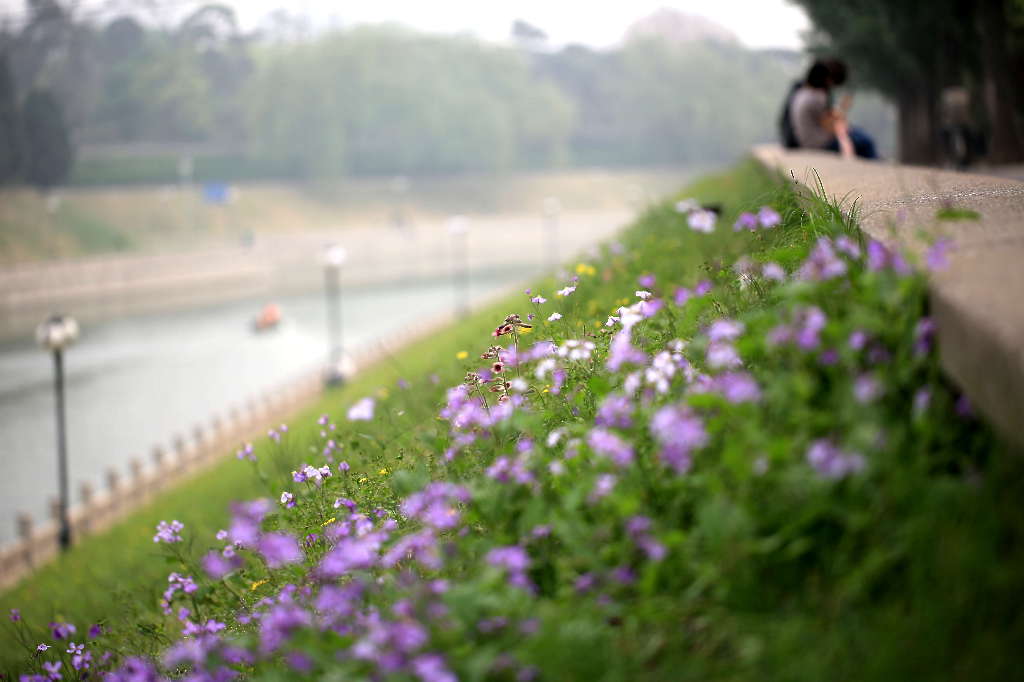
(123, 564)
(910, 569)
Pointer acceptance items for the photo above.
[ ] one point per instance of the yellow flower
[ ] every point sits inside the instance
(584, 269)
(257, 584)
(525, 330)
(328, 522)
(383, 472)
(364, 479)
(462, 355)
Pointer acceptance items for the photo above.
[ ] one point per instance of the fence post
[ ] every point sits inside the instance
(24, 522)
(86, 510)
(114, 488)
(139, 493)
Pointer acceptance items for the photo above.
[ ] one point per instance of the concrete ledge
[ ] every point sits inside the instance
(978, 302)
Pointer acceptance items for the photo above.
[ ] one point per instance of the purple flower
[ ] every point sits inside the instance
(432, 668)
(95, 631)
(746, 221)
(963, 406)
(878, 255)
(606, 443)
(681, 296)
(721, 355)
(923, 333)
(351, 554)
(857, 340)
(646, 281)
(217, 565)
(168, 532)
(362, 410)
(679, 431)
(768, 217)
(616, 411)
(866, 388)
(602, 487)
(822, 263)
(279, 549)
(703, 287)
(922, 399)
(42, 647)
(831, 462)
(287, 499)
(724, 330)
(937, 257)
(702, 221)
(737, 387)
(773, 271)
(277, 624)
(437, 504)
(63, 630)
(15, 615)
(621, 352)
(810, 321)
(538, 300)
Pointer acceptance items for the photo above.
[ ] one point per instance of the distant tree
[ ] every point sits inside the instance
(48, 151)
(911, 50)
(10, 128)
(527, 34)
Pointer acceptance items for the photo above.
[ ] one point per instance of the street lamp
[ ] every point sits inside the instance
(56, 334)
(334, 256)
(458, 228)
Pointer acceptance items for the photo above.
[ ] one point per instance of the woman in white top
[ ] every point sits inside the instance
(816, 123)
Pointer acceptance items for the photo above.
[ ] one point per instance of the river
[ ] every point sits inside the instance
(135, 382)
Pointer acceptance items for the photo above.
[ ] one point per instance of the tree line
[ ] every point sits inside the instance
(374, 100)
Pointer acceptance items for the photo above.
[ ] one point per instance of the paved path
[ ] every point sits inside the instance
(978, 302)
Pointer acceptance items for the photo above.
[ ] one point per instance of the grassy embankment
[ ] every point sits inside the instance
(818, 512)
(78, 222)
(111, 577)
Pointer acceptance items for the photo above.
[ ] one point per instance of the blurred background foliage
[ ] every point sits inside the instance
(136, 97)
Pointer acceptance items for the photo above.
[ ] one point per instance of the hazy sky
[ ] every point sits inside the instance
(758, 23)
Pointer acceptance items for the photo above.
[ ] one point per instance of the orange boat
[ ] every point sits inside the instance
(269, 318)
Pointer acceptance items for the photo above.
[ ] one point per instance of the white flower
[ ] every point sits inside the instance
(286, 497)
(543, 367)
(702, 221)
(361, 410)
(554, 316)
(555, 437)
(566, 291)
(643, 295)
(574, 349)
(612, 319)
(519, 385)
(687, 205)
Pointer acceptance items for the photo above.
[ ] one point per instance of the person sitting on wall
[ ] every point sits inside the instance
(814, 123)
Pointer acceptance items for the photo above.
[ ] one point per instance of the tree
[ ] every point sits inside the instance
(47, 144)
(10, 128)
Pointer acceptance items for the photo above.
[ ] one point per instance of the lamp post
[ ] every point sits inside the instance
(55, 334)
(458, 228)
(334, 256)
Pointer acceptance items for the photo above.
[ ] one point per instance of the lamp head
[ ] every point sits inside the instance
(57, 332)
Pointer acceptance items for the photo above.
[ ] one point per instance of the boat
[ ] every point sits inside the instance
(269, 318)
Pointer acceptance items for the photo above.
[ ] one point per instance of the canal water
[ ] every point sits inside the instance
(136, 382)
